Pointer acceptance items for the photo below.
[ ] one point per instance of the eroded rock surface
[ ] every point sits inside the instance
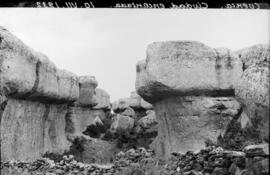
(192, 88)
(43, 109)
(186, 68)
(252, 89)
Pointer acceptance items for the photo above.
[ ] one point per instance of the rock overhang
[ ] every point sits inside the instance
(186, 68)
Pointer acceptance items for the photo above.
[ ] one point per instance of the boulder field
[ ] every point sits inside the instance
(205, 95)
(43, 108)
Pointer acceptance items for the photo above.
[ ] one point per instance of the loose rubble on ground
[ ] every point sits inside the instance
(213, 160)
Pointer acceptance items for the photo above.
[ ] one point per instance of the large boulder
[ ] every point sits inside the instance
(186, 68)
(122, 125)
(148, 121)
(103, 99)
(87, 85)
(29, 74)
(191, 87)
(252, 89)
(134, 101)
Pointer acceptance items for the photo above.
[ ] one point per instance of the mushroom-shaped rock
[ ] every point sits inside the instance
(87, 85)
(186, 68)
(189, 85)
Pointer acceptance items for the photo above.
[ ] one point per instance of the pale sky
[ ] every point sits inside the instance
(107, 43)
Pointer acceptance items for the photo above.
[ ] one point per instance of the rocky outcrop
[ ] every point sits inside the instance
(134, 101)
(252, 89)
(141, 118)
(43, 108)
(192, 89)
(186, 68)
(103, 99)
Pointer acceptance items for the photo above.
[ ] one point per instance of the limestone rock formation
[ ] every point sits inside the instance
(191, 87)
(252, 88)
(149, 120)
(43, 109)
(186, 68)
(134, 101)
(28, 74)
(103, 99)
(87, 91)
(122, 124)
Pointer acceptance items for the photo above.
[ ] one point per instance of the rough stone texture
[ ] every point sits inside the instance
(122, 124)
(17, 64)
(28, 74)
(87, 85)
(257, 54)
(43, 109)
(168, 64)
(187, 123)
(94, 151)
(252, 89)
(128, 112)
(79, 118)
(134, 101)
(30, 129)
(103, 99)
(148, 121)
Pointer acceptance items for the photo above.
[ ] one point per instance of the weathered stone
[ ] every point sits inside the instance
(17, 64)
(103, 99)
(186, 123)
(186, 68)
(120, 105)
(95, 129)
(134, 101)
(28, 74)
(30, 129)
(122, 124)
(254, 55)
(94, 151)
(87, 85)
(128, 112)
(79, 118)
(148, 121)
(146, 105)
(252, 89)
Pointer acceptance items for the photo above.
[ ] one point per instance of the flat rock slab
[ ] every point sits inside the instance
(186, 68)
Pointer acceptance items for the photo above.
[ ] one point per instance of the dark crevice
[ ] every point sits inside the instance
(95, 130)
(35, 86)
(44, 121)
(2, 109)
(229, 61)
